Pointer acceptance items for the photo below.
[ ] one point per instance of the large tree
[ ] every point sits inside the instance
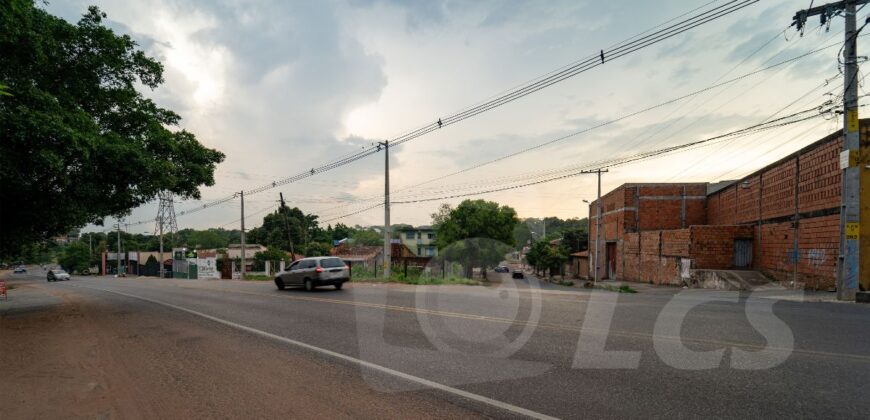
(477, 232)
(78, 142)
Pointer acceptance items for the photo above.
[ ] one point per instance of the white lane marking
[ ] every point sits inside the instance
(425, 382)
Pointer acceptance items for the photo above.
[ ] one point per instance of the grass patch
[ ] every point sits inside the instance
(258, 277)
(620, 289)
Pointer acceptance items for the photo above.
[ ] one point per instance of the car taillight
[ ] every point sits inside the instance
(346, 267)
(319, 270)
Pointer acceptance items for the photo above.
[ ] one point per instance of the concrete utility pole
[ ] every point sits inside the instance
(244, 257)
(287, 224)
(597, 224)
(388, 259)
(852, 272)
(119, 249)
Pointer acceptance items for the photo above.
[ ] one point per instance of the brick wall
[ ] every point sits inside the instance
(747, 200)
(819, 246)
(712, 247)
(816, 171)
(675, 243)
(819, 187)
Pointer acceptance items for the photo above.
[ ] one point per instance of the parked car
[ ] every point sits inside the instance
(20, 269)
(502, 269)
(57, 274)
(313, 272)
(518, 274)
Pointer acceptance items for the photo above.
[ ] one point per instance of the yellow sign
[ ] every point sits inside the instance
(852, 120)
(852, 231)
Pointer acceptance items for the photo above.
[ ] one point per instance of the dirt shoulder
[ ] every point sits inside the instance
(77, 355)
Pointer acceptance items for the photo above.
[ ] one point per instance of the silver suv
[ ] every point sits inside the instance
(313, 272)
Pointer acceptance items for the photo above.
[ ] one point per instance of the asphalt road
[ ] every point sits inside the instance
(514, 350)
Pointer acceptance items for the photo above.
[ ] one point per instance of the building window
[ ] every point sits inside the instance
(409, 235)
(419, 235)
(431, 235)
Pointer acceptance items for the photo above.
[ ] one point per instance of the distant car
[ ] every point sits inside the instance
(518, 274)
(57, 275)
(502, 269)
(19, 270)
(314, 271)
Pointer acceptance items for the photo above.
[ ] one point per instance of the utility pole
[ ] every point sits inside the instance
(852, 272)
(244, 257)
(388, 260)
(119, 249)
(596, 265)
(287, 225)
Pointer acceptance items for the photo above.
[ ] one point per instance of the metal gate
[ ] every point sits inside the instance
(743, 253)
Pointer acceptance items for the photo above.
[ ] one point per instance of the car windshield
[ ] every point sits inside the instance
(331, 262)
(58, 271)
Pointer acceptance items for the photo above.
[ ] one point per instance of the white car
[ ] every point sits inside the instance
(57, 274)
(313, 272)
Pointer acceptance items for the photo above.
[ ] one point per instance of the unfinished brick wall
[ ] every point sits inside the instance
(725, 202)
(789, 246)
(819, 246)
(820, 187)
(642, 207)
(712, 247)
(630, 257)
(676, 243)
(650, 248)
(747, 205)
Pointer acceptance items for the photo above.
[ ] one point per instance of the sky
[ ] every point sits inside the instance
(284, 86)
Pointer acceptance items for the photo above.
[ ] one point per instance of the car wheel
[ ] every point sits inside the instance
(309, 285)
(279, 283)
(338, 286)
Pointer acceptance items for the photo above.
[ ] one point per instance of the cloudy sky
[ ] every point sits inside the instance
(284, 86)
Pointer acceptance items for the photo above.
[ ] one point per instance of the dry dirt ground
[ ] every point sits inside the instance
(85, 356)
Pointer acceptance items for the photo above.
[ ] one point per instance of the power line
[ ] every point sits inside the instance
(610, 54)
(790, 119)
(609, 122)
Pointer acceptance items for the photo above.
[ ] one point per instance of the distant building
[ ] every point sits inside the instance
(420, 240)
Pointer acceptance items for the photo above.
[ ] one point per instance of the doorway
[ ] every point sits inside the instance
(610, 255)
(743, 253)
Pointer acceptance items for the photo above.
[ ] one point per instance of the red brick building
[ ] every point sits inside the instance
(782, 220)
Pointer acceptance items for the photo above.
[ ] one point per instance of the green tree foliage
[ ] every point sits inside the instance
(544, 256)
(79, 142)
(271, 254)
(368, 237)
(275, 228)
(317, 249)
(532, 229)
(477, 232)
(75, 257)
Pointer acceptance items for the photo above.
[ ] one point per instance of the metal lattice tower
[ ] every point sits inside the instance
(165, 222)
(165, 214)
